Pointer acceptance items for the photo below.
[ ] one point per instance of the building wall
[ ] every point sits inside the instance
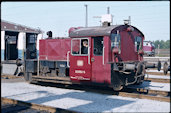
(21, 45)
(40, 36)
(2, 45)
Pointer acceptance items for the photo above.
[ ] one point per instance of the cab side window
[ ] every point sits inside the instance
(138, 43)
(79, 46)
(75, 46)
(98, 46)
(116, 41)
(84, 46)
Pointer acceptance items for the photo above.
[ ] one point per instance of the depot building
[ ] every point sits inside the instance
(16, 39)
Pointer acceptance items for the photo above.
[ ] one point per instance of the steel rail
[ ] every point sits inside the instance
(160, 80)
(35, 106)
(158, 73)
(148, 91)
(143, 96)
(10, 76)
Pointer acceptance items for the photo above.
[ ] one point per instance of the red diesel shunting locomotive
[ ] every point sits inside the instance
(108, 55)
(148, 48)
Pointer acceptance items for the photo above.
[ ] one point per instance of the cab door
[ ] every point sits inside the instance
(80, 65)
(97, 59)
(101, 69)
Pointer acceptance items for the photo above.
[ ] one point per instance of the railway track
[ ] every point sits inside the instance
(158, 80)
(10, 105)
(146, 79)
(5, 76)
(142, 96)
(140, 93)
(127, 92)
(158, 73)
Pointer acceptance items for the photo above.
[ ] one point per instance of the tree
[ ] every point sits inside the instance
(163, 44)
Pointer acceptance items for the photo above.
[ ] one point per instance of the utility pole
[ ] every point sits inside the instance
(108, 10)
(158, 49)
(129, 20)
(86, 25)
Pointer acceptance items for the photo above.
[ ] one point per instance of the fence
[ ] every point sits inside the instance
(162, 52)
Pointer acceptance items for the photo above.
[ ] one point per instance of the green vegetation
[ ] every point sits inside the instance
(163, 44)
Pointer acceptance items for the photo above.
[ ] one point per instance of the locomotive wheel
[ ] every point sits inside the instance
(116, 81)
(117, 87)
(140, 71)
(28, 77)
(139, 68)
(165, 68)
(139, 81)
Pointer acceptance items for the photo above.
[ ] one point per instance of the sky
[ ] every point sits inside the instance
(150, 17)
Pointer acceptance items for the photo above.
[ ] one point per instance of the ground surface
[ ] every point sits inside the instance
(11, 108)
(80, 100)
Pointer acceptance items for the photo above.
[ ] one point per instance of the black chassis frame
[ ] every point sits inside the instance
(56, 68)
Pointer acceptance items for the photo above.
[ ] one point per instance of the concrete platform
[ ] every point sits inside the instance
(9, 69)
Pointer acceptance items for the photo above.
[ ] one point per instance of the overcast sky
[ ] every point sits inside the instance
(151, 17)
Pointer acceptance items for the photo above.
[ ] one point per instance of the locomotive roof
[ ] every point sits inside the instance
(97, 31)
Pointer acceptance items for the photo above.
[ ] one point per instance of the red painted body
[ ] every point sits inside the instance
(148, 48)
(80, 69)
(91, 67)
(101, 73)
(128, 48)
(54, 49)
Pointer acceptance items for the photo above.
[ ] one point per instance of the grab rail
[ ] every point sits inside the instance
(88, 55)
(68, 58)
(103, 55)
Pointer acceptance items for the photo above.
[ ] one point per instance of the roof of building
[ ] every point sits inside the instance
(10, 26)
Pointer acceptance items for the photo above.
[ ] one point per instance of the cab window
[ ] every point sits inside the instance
(79, 46)
(116, 41)
(138, 43)
(76, 46)
(84, 46)
(98, 46)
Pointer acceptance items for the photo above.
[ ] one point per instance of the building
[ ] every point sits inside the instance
(16, 40)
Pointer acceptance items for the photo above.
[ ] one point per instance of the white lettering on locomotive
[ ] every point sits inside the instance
(79, 71)
(80, 78)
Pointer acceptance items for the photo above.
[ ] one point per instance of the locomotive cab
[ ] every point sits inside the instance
(114, 55)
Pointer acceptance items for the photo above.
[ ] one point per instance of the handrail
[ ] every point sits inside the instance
(68, 58)
(103, 54)
(38, 66)
(88, 55)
